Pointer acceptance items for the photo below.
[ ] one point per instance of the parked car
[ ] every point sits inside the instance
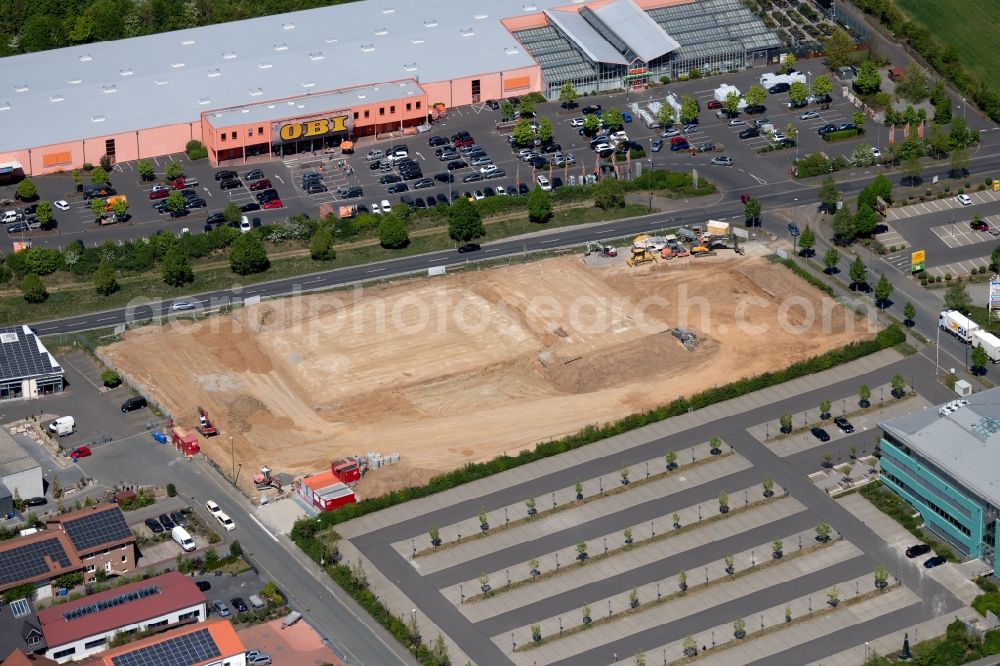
(254, 174)
(250, 207)
(80, 452)
(979, 225)
(215, 218)
(36, 501)
(225, 175)
(396, 188)
(423, 184)
(917, 550)
(737, 122)
(964, 199)
(273, 203)
(154, 526)
(826, 129)
(167, 523)
(935, 561)
(158, 194)
(230, 184)
(820, 434)
(178, 518)
(264, 184)
(239, 605)
(435, 141)
(626, 117)
(706, 147)
(843, 424)
(749, 133)
(670, 132)
(809, 115)
(203, 585)
(714, 104)
(779, 88)
(221, 609)
(721, 160)
(469, 247)
(593, 108)
(133, 403)
(61, 204)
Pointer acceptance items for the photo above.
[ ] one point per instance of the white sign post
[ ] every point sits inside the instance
(994, 304)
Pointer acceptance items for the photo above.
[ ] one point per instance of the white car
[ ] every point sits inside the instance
(777, 137)
(376, 209)
(225, 521)
(576, 122)
(386, 207)
(212, 507)
(736, 122)
(178, 306)
(602, 146)
(61, 204)
(159, 188)
(488, 169)
(876, 152)
(543, 183)
(809, 115)
(671, 132)
(964, 199)
(245, 225)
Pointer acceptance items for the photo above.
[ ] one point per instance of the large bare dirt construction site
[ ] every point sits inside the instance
(462, 368)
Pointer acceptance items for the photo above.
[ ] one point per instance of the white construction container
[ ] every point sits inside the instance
(716, 228)
(769, 79)
(723, 91)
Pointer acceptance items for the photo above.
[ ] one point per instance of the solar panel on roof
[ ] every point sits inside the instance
(28, 560)
(96, 529)
(20, 356)
(104, 604)
(20, 607)
(184, 650)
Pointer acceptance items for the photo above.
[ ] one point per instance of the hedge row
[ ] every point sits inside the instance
(473, 471)
(840, 135)
(805, 275)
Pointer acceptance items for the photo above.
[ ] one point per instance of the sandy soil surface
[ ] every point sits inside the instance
(462, 368)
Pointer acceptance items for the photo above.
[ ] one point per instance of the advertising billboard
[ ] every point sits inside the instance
(315, 127)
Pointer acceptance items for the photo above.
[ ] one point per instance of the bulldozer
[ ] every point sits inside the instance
(640, 255)
(701, 251)
(263, 479)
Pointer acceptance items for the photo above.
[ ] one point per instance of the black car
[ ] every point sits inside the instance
(133, 403)
(166, 521)
(457, 164)
(267, 195)
(203, 585)
(195, 203)
(247, 208)
(413, 175)
(472, 178)
(493, 104)
(36, 501)
(779, 88)
(17, 228)
(445, 177)
(749, 133)
(441, 198)
(226, 175)
(215, 218)
(254, 174)
(460, 135)
(316, 188)
(820, 434)
(539, 162)
(935, 561)
(423, 184)
(352, 193)
(30, 210)
(389, 178)
(230, 184)
(752, 109)
(801, 104)
(239, 605)
(154, 526)
(437, 141)
(522, 189)
(591, 109)
(511, 191)
(918, 550)
(396, 188)
(847, 126)
(178, 518)
(826, 129)
(469, 247)
(843, 424)
(375, 166)
(551, 148)
(420, 203)
(407, 201)
(793, 229)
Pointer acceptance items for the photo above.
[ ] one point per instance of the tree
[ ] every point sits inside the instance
(858, 272)
(321, 245)
(689, 647)
(778, 548)
(247, 255)
(879, 187)
(613, 119)
(881, 575)
(715, 445)
(98, 176)
(864, 395)
(862, 156)
(858, 118)
(523, 133)
(439, 652)
(956, 297)
(839, 49)
(938, 141)
(821, 86)
(545, 129)
(175, 203)
(581, 551)
(865, 221)
(883, 290)
(751, 211)
(830, 260)
(843, 227)
(823, 531)
(789, 64)
(506, 110)
(731, 103)
(868, 81)
(979, 360)
(527, 106)
(755, 95)
(995, 259)
(913, 84)
(232, 212)
(828, 194)
(609, 193)
(807, 241)
(785, 423)
(824, 409)
(591, 123)
(146, 171)
(898, 383)
(105, 280)
(176, 268)
(567, 95)
(44, 213)
(682, 581)
(959, 162)
(798, 92)
(33, 288)
(464, 221)
(26, 190)
(740, 628)
(97, 207)
(913, 170)
(539, 206)
(671, 460)
(120, 207)
(961, 135)
(640, 657)
(689, 109)
(909, 312)
(723, 502)
(174, 170)
(392, 232)
(664, 116)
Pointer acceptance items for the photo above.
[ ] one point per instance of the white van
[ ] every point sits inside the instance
(225, 521)
(182, 538)
(11, 216)
(62, 426)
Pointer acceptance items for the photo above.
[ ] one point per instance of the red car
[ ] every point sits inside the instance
(464, 141)
(159, 194)
(714, 104)
(260, 185)
(79, 452)
(979, 225)
(274, 203)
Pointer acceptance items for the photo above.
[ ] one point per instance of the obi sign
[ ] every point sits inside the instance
(312, 128)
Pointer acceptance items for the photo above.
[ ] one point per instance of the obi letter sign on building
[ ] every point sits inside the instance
(312, 128)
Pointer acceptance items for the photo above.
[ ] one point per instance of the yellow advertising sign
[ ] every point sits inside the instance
(917, 261)
(310, 128)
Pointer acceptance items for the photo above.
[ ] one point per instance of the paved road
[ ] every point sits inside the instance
(335, 615)
(474, 641)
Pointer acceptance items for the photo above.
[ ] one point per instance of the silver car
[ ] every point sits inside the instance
(722, 160)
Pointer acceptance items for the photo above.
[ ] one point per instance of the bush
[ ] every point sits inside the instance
(247, 255)
(195, 150)
(111, 378)
(840, 135)
(33, 288)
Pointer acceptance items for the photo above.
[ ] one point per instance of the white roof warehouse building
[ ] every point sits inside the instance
(293, 82)
(27, 369)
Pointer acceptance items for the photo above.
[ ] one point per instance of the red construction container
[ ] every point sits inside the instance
(331, 497)
(185, 441)
(347, 471)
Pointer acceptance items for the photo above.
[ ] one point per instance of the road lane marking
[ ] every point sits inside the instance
(377, 270)
(549, 241)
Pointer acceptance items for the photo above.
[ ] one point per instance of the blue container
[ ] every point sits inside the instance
(160, 437)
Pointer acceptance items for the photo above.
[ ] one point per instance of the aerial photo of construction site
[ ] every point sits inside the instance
(458, 368)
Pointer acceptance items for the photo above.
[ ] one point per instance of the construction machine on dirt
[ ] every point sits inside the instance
(263, 479)
(205, 426)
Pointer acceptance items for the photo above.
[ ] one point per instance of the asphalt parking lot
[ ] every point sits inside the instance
(340, 172)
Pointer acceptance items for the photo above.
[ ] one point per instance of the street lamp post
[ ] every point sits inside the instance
(650, 185)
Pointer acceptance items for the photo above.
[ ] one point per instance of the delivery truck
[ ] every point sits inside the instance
(989, 342)
(958, 325)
